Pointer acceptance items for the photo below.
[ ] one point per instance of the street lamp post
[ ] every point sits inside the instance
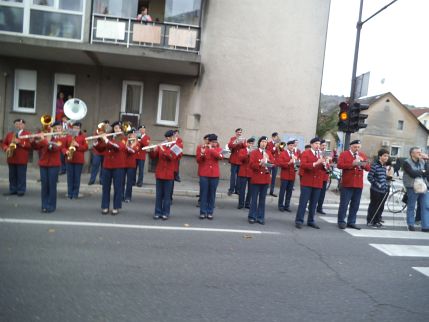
(355, 59)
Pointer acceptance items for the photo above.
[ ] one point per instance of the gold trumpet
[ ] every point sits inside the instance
(282, 146)
(71, 150)
(46, 121)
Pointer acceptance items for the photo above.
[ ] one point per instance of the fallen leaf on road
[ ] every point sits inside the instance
(187, 225)
(247, 237)
(51, 230)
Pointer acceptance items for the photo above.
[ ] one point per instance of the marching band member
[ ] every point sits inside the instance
(272, 147)
(244, 175)
(97, 161)
(208, 162)
(75, 158)
(205, 143)
(113, 168)
(164, 175)
(65, 126)
(144, 140)
(133, 147)
(235, 144)
(259, 163)
(296, 149)
(353, 162)
(179, 143)
(17, 158)
(311, 183)
(325, 177)
(50, 148)
(286, 161)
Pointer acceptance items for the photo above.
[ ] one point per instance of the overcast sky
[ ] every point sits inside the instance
(394, 47)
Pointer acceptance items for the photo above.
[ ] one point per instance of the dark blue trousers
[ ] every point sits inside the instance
(140, 167)
(322, 196)
(17, 178)
(109, 175)
(349, 196)
(63, 164)
(243, 199)
(307, 194)
(49, 178)
(208, 188)
(164, 190)
(129, 180)
(233, 182)
(96, 164)
(257, 204)
(273, 179)
(285, 194)
(74, 172)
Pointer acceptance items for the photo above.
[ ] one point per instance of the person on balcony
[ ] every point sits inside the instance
(144, 16)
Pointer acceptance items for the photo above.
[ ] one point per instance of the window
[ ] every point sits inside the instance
(54, 24)
(400, 125)
(168, 105)
(24, 99)
(132, 101)
(394, 151)
(425, 123)
(185, 12)
(11, 18)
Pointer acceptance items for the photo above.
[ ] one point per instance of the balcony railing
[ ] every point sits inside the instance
(132, 33)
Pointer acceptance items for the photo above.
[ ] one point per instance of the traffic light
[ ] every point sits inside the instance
(356, 118)
(343, 117)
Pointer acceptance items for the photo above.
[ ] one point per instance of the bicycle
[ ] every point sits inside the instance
(335, 173)
(396, 201)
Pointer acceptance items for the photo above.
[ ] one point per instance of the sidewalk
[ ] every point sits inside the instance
(189, 187)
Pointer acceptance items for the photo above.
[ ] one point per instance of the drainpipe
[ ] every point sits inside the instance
(3, 115)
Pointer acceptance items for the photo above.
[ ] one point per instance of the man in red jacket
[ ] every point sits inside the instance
(235, 143)
(244, 175)
(17, 158)
(75, 158)
(353, 162)
(144, 140)
(208, 168)
(311, 183)
(164, 175)
(272, 147)
(260, 161)
(286, 161)
(50, 148)
(325, 177)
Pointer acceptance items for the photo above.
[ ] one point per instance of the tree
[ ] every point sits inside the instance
(328, 124)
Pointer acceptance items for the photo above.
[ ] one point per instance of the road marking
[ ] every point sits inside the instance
(363, 213)
(403, 250)
(381, 233)
(107, 225)
(423, 270)
(362, 221)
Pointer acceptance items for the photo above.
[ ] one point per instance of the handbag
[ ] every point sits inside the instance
(419, 185)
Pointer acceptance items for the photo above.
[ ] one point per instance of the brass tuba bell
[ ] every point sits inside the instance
(46, 121)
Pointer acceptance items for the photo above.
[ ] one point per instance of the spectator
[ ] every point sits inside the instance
(144, 16)
(397, 167)
(59, 110)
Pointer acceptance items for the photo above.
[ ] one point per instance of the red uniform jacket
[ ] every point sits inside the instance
(245, 170)
(94, 150)
(261, 174)
(179, 143)
(50, 157)
(352, 176)
(144, 141)
(79, 154)
(114, 152)
(235, 149)
(20, 155)
(208, 162)
(131, 156)
(288, 169)
(165, 166)
(310, 176)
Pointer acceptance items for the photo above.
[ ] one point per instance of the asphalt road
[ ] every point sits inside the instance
(71, 266)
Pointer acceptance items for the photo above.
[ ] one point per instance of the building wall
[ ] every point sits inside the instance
(383, 117)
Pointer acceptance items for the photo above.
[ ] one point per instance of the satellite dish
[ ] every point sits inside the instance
(75, 109)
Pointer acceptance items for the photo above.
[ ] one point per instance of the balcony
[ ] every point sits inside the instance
(133, 33)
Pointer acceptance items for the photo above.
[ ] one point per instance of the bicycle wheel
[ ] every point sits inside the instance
(328, 184)
(395, 203)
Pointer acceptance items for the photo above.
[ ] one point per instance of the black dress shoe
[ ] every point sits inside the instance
(281, 209)
(247, 207)
(139, 185)
(298, 225)
(288, 210)
(229, 193)
(321, 212)
(105, 211)
(353, 226)
(273, 195)
(313, 225)
(240, 207)
(20, 194)
(44, 210)
(202, 216)
(9, 193)
(210, 216)
(411, 228)
(342, 225)
(252, 221)
(90, 183)
(425, 230)
(261, 222)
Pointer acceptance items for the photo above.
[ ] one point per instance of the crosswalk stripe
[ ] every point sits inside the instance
(423, 270)
(362, 221)
(382, 233)
(403, 250)
(364, 214)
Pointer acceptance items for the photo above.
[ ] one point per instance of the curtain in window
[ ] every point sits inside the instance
(169, 101)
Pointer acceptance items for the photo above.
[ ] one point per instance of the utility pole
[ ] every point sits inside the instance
(355, 59)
